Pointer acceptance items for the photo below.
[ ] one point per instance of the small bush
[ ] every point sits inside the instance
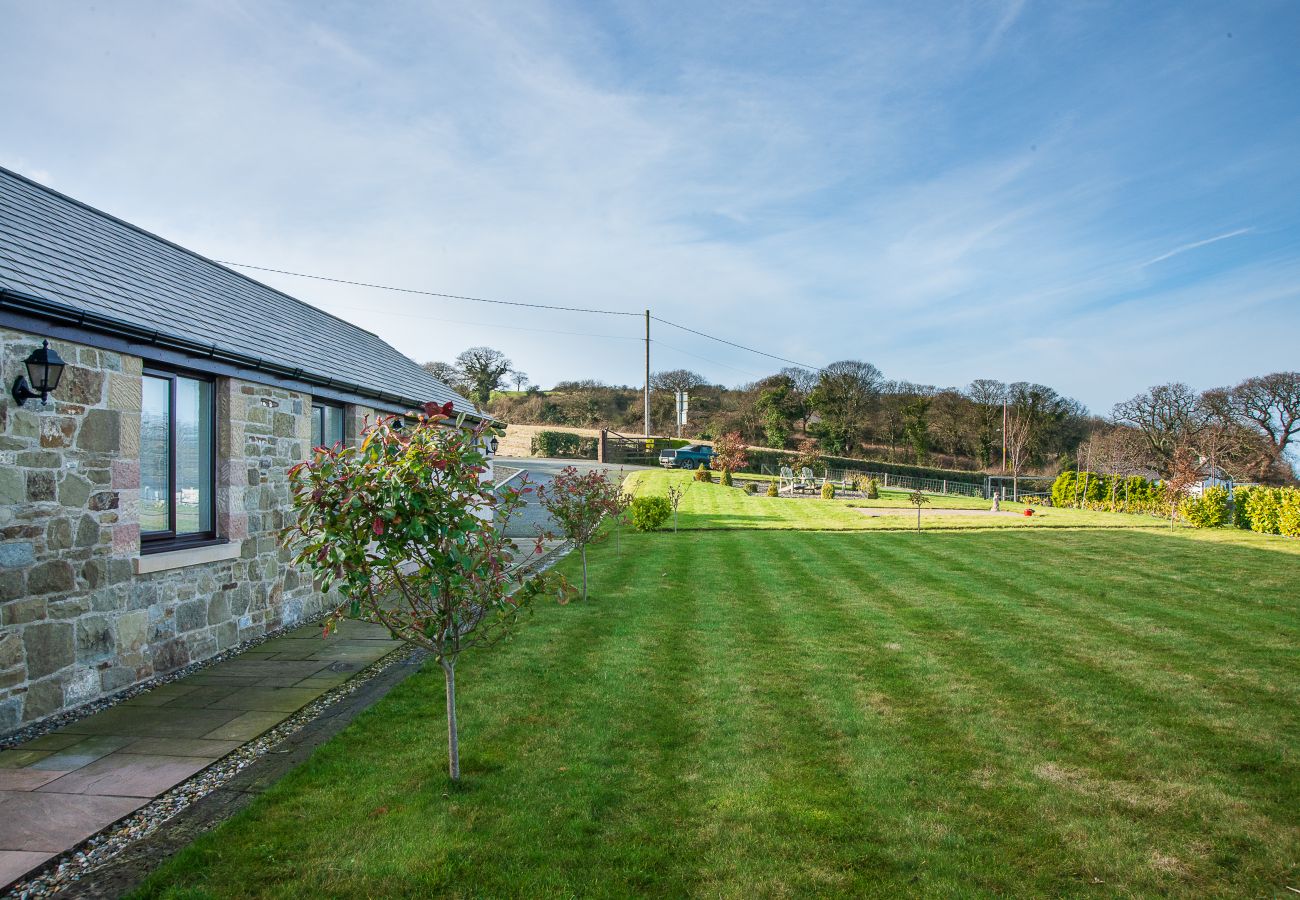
(1288, 520)
(873, 489)
(650, 513)
(703, 474)
(1210, 510)
(751, 488)
(771, 489)
(1264, 510)
(828, 491)
(725, 480)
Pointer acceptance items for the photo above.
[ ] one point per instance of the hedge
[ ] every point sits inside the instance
(1268, 510)
(759, 457)
(1109, 493)
(564, 445)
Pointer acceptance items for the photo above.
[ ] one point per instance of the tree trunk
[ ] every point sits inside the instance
(583, 551)
(453, 738)
(918, 518)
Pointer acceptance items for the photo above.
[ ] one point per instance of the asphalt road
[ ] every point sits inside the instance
(540, 472)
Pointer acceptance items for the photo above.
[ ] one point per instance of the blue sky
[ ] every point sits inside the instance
(1096, 196)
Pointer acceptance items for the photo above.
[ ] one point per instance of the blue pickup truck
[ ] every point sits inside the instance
(688, 457)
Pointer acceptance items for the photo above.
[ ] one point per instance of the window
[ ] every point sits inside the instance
(326, 425)
(177, 454)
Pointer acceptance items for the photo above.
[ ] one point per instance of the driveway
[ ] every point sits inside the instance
(540, 471)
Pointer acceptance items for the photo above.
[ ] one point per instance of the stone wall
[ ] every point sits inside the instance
(76, 620)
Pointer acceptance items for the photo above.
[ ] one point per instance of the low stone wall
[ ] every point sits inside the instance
(77, 620)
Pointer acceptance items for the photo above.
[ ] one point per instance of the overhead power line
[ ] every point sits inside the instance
(401, 290)
(739, 346)
(580, 309)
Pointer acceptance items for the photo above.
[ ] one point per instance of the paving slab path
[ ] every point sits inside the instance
(58, 789)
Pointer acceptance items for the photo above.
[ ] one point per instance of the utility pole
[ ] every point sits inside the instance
(647, 373)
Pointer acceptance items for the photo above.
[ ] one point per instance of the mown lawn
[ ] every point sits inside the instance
(756, 712)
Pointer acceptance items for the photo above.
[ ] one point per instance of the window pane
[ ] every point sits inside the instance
(155, 429)
(193, 456)
(333, 426)
(326, 426)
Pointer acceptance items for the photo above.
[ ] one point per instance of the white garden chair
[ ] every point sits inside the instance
(807, 480)
(786, 480)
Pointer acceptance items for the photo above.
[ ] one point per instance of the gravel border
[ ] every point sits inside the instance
(73, 865)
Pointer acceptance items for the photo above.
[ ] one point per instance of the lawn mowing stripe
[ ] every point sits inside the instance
(983, 664)
(1073, 598)
(1191, 560)
(942, 747)
(785, 765)
(632, 724)
(1080, 602)
(1254, 764)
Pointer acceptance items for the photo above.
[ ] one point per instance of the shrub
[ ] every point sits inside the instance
(650, 513)
(729, 452)
(1240, 509)
(1264, 510)
(1210, 510)
(771, 489)
(564, 445)
(751, 488)
(1288, 520)
(703, 474)
(873, 489)
(725, 480)
(828, 491)
(1063, 489)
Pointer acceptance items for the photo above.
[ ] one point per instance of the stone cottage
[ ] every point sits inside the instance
(139, 504)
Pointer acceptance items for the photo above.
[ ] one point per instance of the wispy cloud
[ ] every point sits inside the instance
(1195, 244)
(877, 181)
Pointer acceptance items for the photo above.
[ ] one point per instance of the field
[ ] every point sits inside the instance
(788, 698)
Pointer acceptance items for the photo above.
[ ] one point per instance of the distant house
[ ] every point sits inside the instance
(1208, 476)
(139, 507)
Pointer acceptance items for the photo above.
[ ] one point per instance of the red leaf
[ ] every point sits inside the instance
(377, 526)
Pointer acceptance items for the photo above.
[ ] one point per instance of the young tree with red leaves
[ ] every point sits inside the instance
(578, 503)
(729, 452)
(399, 524)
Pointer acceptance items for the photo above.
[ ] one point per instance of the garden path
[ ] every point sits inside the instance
(59, 789)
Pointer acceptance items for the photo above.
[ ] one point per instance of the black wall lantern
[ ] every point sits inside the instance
(492, 447)
(44, 369)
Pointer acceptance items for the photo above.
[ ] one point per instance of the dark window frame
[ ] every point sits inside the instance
(162, 541)
(343, 429)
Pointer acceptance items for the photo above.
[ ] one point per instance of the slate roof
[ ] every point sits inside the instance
(62, 251)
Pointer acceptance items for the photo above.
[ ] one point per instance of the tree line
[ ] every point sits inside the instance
(850, 409)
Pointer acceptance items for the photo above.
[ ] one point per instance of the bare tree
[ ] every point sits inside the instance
(518, 379)
(1270, 403)
(1184, 471)
(1169, 417)
(676, 380)
(1019, 431)
(483, 370)
(444, 372)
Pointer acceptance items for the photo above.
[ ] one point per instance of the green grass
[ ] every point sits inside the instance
(710, 505)
(745, 710)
